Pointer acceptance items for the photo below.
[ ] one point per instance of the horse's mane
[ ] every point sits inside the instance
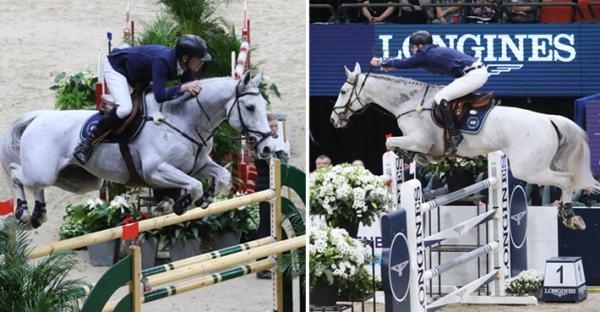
(402, 80)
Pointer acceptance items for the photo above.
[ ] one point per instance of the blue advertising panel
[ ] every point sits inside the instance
(523, 60)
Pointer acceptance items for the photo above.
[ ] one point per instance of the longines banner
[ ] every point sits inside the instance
(523, 60)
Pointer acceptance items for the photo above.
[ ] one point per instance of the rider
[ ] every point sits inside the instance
(137, 67)
(468, 72)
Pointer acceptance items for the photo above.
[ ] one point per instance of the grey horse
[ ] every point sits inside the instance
(170, 152)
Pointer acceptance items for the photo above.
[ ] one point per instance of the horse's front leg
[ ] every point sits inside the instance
(39, 211)
(406, 143)
(167, 176)
(221, 181)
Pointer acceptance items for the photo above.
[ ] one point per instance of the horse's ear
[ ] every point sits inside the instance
(347, 71)
(246, 78)
(357, 68)
(257, 79)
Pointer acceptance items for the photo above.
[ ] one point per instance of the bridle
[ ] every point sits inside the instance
(200, 145)
(347, 110)
(245, 130)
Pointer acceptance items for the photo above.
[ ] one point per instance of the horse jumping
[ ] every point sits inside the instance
(542, 149)
(168, 153)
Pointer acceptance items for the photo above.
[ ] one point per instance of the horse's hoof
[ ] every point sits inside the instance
(35, 223)
(575, 223)
(165, 206)
(22, 214)
(181, 204)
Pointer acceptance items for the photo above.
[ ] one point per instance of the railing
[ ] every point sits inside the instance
(343, 8)
(591, 6)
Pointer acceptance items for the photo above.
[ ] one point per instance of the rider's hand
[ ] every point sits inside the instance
(192, 87)
(376, 61)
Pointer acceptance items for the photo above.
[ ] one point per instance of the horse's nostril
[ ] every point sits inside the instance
(267, 150)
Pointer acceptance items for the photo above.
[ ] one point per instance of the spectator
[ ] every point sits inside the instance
(521, 14)
(373, 15)
(322, 15)
(446, 14)
(413, 13)
(263, 183)
(480, 14)
(322, 161)
(358, 163)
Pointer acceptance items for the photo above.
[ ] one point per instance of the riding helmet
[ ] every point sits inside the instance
(192, 46)
(421, 37)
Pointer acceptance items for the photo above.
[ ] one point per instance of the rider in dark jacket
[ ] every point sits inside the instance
(137, 67)
(469, 73)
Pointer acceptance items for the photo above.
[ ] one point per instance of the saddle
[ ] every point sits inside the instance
(125, 133)
(462, 105)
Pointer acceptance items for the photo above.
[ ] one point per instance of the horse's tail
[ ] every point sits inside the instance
(10, 143)
(573, 154)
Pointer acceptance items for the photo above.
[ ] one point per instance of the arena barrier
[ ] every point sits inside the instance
(229, 262)
(405, 267)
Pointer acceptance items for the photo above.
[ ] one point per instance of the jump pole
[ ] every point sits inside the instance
(151, 224)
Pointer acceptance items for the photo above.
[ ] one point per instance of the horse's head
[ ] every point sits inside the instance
(248, 114)
(349, 100)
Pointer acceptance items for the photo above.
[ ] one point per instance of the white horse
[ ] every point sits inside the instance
(36, 152)
(542, 149)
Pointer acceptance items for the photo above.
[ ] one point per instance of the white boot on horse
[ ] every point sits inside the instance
(36, 151)
(542, 149)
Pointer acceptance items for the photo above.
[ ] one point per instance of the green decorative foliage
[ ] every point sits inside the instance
(34, 286)
(459, 164)
(75, 91)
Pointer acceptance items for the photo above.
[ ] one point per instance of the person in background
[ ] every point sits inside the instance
(446, 14)
(263, 183)
(373, 15)
(521, 14)
(322, 161)
(358, 163)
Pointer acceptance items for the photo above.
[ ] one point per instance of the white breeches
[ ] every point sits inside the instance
(119, 89)
(464, 85)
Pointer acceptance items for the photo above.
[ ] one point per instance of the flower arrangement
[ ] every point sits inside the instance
(96, 215)
(334, 255)
(345, 193)
(243, 220)
(525, 283)
(459, 164)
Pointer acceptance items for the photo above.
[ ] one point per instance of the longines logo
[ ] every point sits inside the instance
(517, 217)
(502, 53)
(399, 268)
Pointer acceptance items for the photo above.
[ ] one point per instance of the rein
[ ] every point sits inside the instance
(201, 145)
(419, 108)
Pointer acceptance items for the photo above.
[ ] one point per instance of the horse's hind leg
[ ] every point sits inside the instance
(16, 174)
(562, 180)
(167, 175)
(39, 211)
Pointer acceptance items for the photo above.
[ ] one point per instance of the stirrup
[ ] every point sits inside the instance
(453, 143)
(83, 151)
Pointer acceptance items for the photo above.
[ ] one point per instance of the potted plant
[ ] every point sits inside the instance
(225, 229)
(527, 283)
(182, 239)
(94, 216)
(459, 171)
(333, 256)
(42, 285)
(347, 195)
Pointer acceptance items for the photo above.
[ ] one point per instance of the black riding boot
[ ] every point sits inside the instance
(84, 150)
(455, 135)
